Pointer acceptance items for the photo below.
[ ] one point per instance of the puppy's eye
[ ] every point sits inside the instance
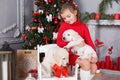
(76, 52)
(68, 34)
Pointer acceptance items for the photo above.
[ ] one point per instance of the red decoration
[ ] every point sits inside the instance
(119, 63)
(63, 1)
(35, 20)
(115, 68)
(34, 71)
(97, 16)
(116, 16)
(68, 0)
(35, 14)
(31, 30)
(50, 1)
(59, 70)
(98, 65)
(24, 37)
(46, 39)
(111, 65)
(42, 2)
(36, 3)
(38, 13)
(102, 64)
(107, 58)
(99, 43)
(110, 50)
(56, 21)
(32, 41)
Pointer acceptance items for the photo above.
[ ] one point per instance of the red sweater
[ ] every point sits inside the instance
(79, 27)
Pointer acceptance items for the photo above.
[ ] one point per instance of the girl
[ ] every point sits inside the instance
(70, 16)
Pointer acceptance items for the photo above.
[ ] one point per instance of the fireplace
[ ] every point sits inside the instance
(107, 32)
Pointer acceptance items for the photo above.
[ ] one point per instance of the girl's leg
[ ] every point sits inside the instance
(84, 64)
(93, 70)
(84, 69)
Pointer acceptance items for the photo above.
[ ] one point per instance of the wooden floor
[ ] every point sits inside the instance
(107, 75)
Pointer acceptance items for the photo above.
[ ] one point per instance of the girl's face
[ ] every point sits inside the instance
(68, 16)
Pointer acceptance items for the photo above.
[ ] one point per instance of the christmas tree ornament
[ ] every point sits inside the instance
(31, 30)
(46, 1)
(27, 27)
(32, 41)
(24, 37)
(46, 39)
(50, 1)
(35, 20)
(116, 16)
(40, 11)
(55, 35)
(56, 21)
(49, 18)
(36, 3)
(68, 0)
(35, 14)
(40, 29)
(97, 16)
(63, 1)
(42, 2)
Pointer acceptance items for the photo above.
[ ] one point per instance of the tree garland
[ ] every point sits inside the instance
(85, 17)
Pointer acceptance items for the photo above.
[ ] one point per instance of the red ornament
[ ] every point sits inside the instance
(63, 1)
(116, 16)
(50, 1)
(46, 39)
(42, 2)
(35, 20)
(68, 0)
(38, 13)
(35, 27)
(24, 37)
(36, 3)
(31, 30)
(32, 40)
(55, 21)
(97, 16)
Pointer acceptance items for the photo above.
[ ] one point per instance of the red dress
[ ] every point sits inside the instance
(83, 31)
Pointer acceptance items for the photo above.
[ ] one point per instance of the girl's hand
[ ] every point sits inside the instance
(94, 60)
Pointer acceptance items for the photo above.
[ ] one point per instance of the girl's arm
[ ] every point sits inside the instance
(59, 40)
(87, 38)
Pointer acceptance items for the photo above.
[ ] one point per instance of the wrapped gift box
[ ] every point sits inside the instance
(26, 60)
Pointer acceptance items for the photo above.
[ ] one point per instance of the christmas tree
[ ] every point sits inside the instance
(43, 29)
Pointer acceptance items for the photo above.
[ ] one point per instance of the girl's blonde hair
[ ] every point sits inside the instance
(71, 7)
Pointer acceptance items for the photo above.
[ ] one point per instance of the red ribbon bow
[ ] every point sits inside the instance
(34, 71)
(59, 70)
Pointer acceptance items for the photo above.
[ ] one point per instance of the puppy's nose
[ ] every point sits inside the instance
(63, 38)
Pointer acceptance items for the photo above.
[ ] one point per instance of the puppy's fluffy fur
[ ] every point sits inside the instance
(53, 55)
(74, 39)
